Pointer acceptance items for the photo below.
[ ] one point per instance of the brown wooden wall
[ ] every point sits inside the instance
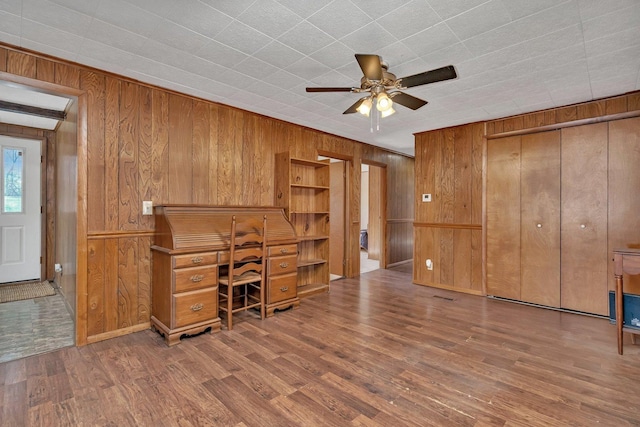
(147, 143)
(449, 164)
(448, 230)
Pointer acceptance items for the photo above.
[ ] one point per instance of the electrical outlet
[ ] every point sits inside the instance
(147, 207)
(429, 264)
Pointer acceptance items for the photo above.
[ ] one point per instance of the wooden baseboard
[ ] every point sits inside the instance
(118, 332)
(451, 288)
(396, 264)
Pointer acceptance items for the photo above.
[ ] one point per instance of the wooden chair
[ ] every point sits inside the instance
(243, 288)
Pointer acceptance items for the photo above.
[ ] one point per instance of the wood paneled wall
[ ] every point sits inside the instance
(449, 164)
(147, 143)
(448, 230)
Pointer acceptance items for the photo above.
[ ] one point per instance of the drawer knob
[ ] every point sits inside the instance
(283, 251)
(284, 289)
(197, 307)
(196, 259)
(284, 264)
(197, 278)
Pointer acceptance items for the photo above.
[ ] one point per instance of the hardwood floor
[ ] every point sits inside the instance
(375, 351)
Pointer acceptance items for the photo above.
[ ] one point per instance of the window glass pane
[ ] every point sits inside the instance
(13, 173)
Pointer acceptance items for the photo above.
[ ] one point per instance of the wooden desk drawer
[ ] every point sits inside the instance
(194, 307)
(191, 279)
(282, 288)
(283, 264)
(282, 250)
(195, 260)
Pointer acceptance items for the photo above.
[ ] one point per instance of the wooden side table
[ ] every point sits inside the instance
(625, 261)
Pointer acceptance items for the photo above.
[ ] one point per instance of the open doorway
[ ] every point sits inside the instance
(337, 222)
(371, 224)
(35, 315)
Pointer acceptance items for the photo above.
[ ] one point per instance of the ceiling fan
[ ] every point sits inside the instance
(384, 88)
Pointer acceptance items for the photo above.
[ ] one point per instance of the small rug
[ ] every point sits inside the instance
(22, 291)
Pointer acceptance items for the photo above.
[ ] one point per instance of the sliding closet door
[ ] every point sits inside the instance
(624, 187)
(584, 219)
(540, 218)
(503, 217)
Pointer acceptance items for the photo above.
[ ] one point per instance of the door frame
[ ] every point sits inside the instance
(344, 204)
(81, 202)
(350, 263)
(384, 239)
(44, 191)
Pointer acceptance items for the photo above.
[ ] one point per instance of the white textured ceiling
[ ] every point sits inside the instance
(512, 56)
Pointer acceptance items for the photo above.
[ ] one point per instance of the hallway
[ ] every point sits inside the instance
(34, 326)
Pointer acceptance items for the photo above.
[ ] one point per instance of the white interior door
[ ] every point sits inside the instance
(20, 225)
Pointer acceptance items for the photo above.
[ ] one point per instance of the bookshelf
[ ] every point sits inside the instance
(302, 189)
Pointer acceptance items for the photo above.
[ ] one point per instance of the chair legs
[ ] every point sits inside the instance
(229, 307)
(247, 301)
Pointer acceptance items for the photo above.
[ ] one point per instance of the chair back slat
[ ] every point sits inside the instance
(247, 268)
(247, 254)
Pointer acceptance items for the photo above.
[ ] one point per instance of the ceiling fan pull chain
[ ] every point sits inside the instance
(371, 123)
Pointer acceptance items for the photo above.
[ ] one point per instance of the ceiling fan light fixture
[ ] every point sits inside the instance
(386, 113)
(377, 80)
(384, 103)
(365, 107)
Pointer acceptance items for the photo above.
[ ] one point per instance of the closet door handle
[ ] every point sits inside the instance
(539, 225)
(583, 226)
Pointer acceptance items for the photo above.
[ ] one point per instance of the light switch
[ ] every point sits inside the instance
(426, 197)
(147, 207)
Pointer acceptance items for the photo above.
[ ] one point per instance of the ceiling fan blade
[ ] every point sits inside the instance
(329, 89)
(437, 75)
(371, 66)
(407, 100)
(354, 107)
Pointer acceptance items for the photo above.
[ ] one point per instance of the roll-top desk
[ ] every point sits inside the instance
(191, 243)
